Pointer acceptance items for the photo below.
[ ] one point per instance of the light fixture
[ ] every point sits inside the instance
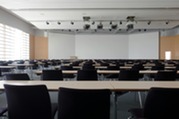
(72, 22)
(58, 23)
(86, 26)
(47, 23)
(149, 22)
(167, 22)
(114, 26)
(100, 26)
(110, 22)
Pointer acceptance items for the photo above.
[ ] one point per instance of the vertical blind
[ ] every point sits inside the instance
(14, 43)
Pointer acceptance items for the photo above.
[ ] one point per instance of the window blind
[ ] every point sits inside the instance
(14, 43)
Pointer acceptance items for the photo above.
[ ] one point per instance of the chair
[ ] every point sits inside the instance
(17, 76)
(28, 102)
(52, 75)
(160, 103)
(112, 76)
(87, 75)
(3, 110)
(129, 75)
(83, 103)
(165, 76)
(68, 76)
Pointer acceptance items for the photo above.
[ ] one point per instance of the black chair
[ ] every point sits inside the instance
(129, 75)
(29, 102)
(165, 75)
(3, 110)
(67, 76)
(83, 103)
(160, 103)
(112, 76)
(87, 75)
(17, 76)
(52, 75)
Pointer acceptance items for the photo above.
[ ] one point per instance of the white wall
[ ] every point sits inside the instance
(101, 46)
(134, 46)
(14, 21)
(144, 46)
(61, 46)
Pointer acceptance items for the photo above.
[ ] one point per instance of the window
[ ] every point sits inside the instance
(14, 43)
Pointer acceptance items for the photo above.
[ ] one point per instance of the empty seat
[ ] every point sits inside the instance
(17, 76)
(52, 75)
(161, 103)
(28, 102)
(87, 75)
(83, 103)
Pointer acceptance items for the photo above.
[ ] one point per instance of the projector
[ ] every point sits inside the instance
(130, 24)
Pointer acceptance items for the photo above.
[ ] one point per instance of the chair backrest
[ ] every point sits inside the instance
(88, 67)
(28, 102)
(83, 104)
(162, 103)
(87, 75)
(165, 76)
(129, 75)
(52, 75)
(17, 76)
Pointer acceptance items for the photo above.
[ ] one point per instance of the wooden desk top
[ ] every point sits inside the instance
(111, 85)
(7, 67)
(54, 85)
(105, 72)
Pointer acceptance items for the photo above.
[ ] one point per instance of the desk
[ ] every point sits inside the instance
(111, 85)
(26, 65)
(104, 72)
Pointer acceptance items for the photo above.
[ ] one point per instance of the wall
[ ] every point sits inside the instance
(101, 46)
(14, 21)
(144, 46)
(169, 43)
(61, 46)
(40, 47)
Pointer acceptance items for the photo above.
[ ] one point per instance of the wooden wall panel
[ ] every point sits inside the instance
(176, 47)
(41, 47)
(169, 43)
(32, 50)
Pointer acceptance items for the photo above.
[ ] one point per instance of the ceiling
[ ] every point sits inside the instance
(68, 15)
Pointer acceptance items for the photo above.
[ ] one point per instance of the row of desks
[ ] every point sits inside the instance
(104, 72)
(114, 86)
(111, 85)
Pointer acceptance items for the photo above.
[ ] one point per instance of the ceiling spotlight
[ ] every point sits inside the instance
(86, 26)
(72, 23)
(167, 22)
(47, 23)
(120, 22)
(110, 22)
(149, 22)
(58, 23)
(114, 26)
(100, 26)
